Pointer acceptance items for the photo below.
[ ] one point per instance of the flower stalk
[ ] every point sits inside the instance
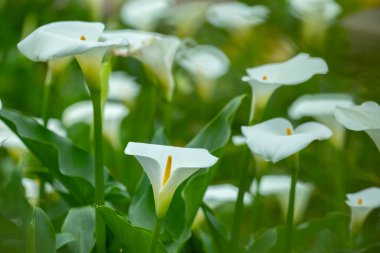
(290, 214)
(156, 235)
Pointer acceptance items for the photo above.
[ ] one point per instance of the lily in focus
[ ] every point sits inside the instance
(364, 117)
(167, 167)
(265, 79)
(275, 139)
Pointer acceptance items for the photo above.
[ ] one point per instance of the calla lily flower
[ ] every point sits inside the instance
(321, 107)
(167, 167)
(205, 64)
(275, 139)
(279, 186)
(234, 15)
(155, 51)
(122, 87)
(265, 79)
(217, 195)
(361, 204)
(316, 16)
(364, 117)
(113, 114)
(144, 14)
(70, 38)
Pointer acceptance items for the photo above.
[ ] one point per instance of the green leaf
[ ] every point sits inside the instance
(81, 223)
(218, 131)
(132, 239)
(63, 238)
(264, 242)
(41, 235)
(72, 166)
(11, 236)
(217, 232)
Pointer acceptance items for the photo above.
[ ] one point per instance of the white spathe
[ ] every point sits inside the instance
(113, 114)
(275, 139)
(361, 204)
(32, 188)
(144, 14)
(233, 15)
(167, 167)
(321, 107)
(122, 87)
(217, 195)
(322, 10)
(364, 117)
(71, 38)
(205, 64)
(267, 78)
(157, 52)
(279, 186)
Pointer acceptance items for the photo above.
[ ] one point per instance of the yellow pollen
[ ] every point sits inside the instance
(288, 131)
(265, 77)
(360, 201)
(168, 170)
(82, 37)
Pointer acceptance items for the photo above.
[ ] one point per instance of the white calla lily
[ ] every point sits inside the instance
(167, 167)
(70, 38)
(275, 139)
(265, 79)
(364, 117)
(113, 114)
(122, 87)
(32, 188)
(321, 107)
(155, 51)
(205, 64)
(144, 14)
(217, 195)
(233, 15)
(361, 204)
(279, 186)
(316, 16)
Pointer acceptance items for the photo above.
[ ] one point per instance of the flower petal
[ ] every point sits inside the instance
(270, 141)
(296, 70)
(60, 39)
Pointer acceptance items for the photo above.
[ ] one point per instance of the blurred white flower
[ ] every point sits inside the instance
(364, 117)
(217, 195)
(234, 15)
(122, 87)
(157, 52)
(144, 14)
(361, 204)
(321, 107)
(316, 16)
(279, 186)
(55, 126)
(205, 64)
(275, 139)
(239, 140)
(267, 78)
(167, 167)
(113, 114)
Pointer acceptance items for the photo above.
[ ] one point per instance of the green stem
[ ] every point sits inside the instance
(167, 117)
(100, 232)
(292, 195)
(156, 234)
(46, 97)
(239, 204)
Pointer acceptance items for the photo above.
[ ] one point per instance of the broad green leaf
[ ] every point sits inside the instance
(12, 238)
(218, 131)
(264, 242)
(63, 238)
(72, 166)
(132, 239)
(81, 223)
(216, 230)
(41, 235)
